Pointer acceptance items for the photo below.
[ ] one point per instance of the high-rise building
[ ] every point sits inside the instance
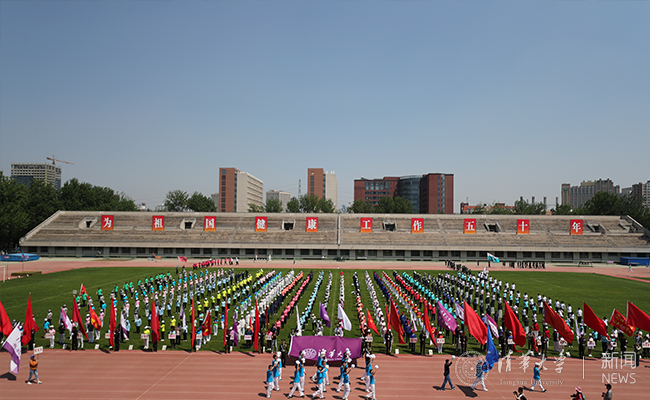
(429, 194)
(576, 196)
(321, 183)
(238, 189)
(284, 197)
(215, 199)
(639, 190)
(48, 173)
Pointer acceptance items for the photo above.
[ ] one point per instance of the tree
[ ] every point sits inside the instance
(360, 207)
(200, 203)
(14, 217)
(325, 205)
(255, 208)
(563, 209)
(273, 206)
(293, 206)
(176, 201)
(403, 205)
(308, 203)
(523, 207)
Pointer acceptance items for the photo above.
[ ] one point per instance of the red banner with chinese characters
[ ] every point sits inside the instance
(523, 226)
(417, 225)
(107, 222)
(470, 225)
(366, 225)
(158, 223)
(619, 321)
(576, 227)
(312, 224)
(260, 224)
(210, 223)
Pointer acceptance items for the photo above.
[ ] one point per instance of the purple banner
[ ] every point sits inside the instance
(445, 319)
(323, 315)
(334, 346)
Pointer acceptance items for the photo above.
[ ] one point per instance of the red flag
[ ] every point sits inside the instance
(76, 317)
(193, 324)
(427, 323)
(387, 319)
(82, 290)
(155, 324)
(5, 322)
(637, 318)
(257, 328)
(371, 323)
(553, 319)
(475, 325)
(395, 322)
(620, 322)
(225, 325)
(592, 321)
(207, 325)
(29, 324)
(94, 319)
(513, 324)
(111, 326)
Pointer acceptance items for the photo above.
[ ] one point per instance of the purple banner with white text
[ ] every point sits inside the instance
(334, 346)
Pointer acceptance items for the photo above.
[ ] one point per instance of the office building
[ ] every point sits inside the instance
(238, 189)
(429, 194)
(284, 197)
(321, 183)
(48, 173)
(576, 196)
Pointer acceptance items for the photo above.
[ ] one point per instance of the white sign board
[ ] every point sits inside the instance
(38, 350)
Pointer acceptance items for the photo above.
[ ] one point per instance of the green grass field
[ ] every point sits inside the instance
(51, 291)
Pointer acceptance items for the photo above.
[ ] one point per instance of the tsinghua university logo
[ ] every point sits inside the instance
(465, 367)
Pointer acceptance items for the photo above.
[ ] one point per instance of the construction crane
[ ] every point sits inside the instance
(54, 160)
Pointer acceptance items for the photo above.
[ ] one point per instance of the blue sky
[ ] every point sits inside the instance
(513, 98)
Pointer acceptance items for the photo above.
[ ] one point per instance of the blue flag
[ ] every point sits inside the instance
(492, 355)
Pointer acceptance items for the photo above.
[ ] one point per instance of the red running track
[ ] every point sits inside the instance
(207, 375)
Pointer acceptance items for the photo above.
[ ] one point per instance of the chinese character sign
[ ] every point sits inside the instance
(312, 224)
(210, 224)
(576, 227)
(417, 225)
(470, 225)
(366, 225)
(158, 223)
(107, 222)
(260, 224)
(523, 226)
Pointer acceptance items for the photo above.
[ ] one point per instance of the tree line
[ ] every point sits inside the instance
(603, 203)
(23, 207)
(307, 203)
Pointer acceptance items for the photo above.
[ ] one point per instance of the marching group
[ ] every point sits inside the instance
(321, 376)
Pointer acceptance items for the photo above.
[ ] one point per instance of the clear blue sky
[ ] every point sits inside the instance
(513, 98)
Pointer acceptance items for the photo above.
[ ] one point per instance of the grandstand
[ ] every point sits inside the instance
(80, 234)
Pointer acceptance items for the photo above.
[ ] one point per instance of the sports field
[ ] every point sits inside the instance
(405, 376)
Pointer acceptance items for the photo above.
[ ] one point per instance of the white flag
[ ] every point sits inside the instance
(299, 330)
(66, 320)
(12, 344)
(347, 325)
